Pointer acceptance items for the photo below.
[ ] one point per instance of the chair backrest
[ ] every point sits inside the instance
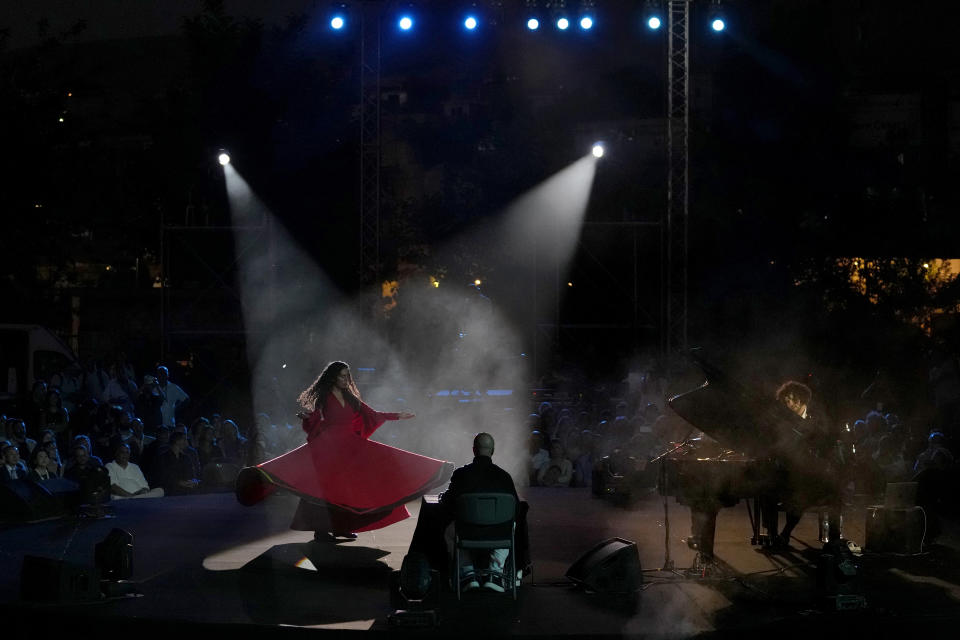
(486, 508)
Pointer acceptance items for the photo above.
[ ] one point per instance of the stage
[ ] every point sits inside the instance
(205, 564)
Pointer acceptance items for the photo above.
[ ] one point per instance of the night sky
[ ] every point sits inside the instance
(818, 129)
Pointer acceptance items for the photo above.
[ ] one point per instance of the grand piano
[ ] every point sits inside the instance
(760, 451)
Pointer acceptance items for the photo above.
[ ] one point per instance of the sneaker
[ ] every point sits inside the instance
(469, 584)
(519, 577)
(494, 583)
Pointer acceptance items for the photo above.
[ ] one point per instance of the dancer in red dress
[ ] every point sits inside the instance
(346, 482)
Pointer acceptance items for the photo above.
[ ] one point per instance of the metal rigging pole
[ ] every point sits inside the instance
(370, 141)
(674, 335)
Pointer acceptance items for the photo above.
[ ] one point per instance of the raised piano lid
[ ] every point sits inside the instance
(737, 416)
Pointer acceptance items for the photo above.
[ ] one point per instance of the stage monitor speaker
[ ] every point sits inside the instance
(25, 500)
(895, 530)
(611, 567)
(47, 580)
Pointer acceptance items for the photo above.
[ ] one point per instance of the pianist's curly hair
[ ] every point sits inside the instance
(794, 388)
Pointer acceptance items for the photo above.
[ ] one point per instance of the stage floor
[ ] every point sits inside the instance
(204, 563)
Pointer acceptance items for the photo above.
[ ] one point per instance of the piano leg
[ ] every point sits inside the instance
(769, 516)
(703, 529)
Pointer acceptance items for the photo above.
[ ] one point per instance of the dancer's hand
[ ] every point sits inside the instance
(405, 415)
(306, 415)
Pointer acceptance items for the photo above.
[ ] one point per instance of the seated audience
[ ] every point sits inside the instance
(207, 447)
(88, 472)
(233, 444)
(538, 455)
(178, 470)
(40, 466)
(557, 471)
(935, 456)
(13, 468)
(17, 434)
(126, 478)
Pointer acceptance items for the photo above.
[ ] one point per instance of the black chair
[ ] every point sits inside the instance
(486, 521)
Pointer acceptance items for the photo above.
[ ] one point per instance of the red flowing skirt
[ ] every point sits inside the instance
(346, 482)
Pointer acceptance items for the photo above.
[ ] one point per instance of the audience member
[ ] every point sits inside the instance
(121, 390)
(207, 448)
(126, 478)
(54, 416)
(13, 468)
(149, 404)
(178, 470)
(173, 397)
(17, 435)
(40, 466)
(538, 454)
(234, 445)
(149, 459)
(557, 471)
(935, 456)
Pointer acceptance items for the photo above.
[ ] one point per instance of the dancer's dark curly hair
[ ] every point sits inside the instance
(315, 396)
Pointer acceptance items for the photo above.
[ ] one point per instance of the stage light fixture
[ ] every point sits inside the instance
(533, 15)
(470, 23)
(223, 158)
(653, 14)
(337, 22)
(597, 150)
(717, 21)
(405, 23)
(587, 13)
(562, 23)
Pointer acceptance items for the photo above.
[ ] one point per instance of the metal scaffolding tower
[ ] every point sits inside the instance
(674, 337)
(370, 141)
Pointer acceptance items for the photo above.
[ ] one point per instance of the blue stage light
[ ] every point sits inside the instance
(533, 24)
(470, 23)
(653, 22)
(405, 23)
(586, 23)
(563, 24)
(718, 24)
(337, 22)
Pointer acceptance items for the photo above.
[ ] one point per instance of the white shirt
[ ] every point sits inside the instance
(130, 479)
(175, 395)
(19, 468)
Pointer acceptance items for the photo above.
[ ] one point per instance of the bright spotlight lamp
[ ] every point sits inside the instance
(717, 21)
(470, 22)
(597, 150)
(405, 23)
(533, 15)
(653, 15)
(223, 158)
(337, 22)
(563, 23)
(586, 14)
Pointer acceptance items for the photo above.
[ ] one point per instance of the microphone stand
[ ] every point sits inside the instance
(662, 475)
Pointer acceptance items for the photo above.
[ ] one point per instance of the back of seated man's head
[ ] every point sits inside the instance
(483, 445)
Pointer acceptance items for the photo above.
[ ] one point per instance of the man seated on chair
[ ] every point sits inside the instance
(480, 476)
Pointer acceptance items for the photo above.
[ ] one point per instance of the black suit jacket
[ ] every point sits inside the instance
(5, 475)
(480, 476)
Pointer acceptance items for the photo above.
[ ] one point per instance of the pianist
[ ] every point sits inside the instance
(797, 484)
